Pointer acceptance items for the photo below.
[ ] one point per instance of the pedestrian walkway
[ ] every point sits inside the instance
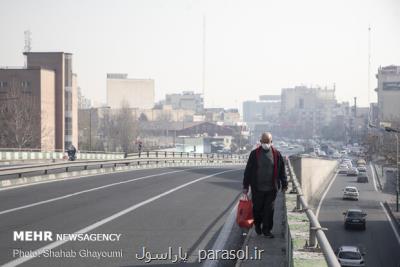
(274, 253)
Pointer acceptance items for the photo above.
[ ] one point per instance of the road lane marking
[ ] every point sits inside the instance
(324, 195)
(373, 176)
(222, 236)
(85, 191)
(77, 177)
(95, 225)
(391, 223)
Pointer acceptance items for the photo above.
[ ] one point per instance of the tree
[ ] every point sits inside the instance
(20, 119)
(143, 117)
(126, 128)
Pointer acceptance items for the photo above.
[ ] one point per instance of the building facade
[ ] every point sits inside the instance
(187, 100)
(29, 96)
(48, 78)
(137, 93)
(66, 95)
(306, 111)
(389, 95)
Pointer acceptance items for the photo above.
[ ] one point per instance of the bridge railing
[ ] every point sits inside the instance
(316, 231)
(151, 158)
(16, 154)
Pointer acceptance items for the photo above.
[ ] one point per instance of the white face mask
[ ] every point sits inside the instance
(266, 146)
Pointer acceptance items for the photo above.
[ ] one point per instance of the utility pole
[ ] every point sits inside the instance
(369, 61)
(204, 60)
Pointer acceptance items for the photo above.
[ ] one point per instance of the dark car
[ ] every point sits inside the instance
(362, 177)
(354, 218)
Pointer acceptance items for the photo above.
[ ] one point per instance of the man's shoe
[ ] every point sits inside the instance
(257, 228)
(269, 235)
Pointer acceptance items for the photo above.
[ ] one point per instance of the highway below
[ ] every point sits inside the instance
(379, 240)
(155, 210)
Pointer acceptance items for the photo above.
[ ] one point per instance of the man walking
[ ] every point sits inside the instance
(265, 174)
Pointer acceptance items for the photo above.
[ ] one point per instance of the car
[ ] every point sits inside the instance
(362, 169)
(361, 162)
(351, 192)
(352, 172)
(355, 218)
(343, 169)
(350, 256)
(348, 163)
(362, 177)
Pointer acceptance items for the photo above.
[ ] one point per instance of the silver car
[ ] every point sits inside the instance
(352, 172)
(351, 192)
(350, 256)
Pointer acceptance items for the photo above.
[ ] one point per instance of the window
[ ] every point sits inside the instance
(301, 103)
(3, 84)
(25, 84)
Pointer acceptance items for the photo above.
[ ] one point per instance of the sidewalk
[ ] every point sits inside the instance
(274, 253)
(389, 188)
(279, 251)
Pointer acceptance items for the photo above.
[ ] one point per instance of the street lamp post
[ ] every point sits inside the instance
(90, 129)
(398, 173)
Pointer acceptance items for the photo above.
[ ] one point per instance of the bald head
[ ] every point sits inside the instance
(266, 138)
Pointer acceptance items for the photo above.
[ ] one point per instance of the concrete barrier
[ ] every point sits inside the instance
(314, 175)
(35, 155)
(84, 173)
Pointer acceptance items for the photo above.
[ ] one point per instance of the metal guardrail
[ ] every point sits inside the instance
(316, 231)
(143, 158)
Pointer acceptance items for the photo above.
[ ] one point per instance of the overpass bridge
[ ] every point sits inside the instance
(169, 210)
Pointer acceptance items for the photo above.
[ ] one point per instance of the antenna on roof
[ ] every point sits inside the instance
(27, 47)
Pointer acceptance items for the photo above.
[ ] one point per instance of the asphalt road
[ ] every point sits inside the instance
(379, 241)
(159, 209)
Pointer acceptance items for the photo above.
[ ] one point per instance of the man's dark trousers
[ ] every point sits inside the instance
(263, 209)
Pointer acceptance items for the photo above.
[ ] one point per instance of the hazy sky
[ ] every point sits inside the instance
(252, 47)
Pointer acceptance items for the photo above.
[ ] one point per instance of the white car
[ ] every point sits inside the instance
(351, 192)
(348, 163)
(343, 169)
(352, 171)
(350, 256)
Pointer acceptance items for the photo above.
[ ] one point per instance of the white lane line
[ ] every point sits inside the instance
(222, 237)
(324, 195)
(373, 176)
(105, 220)
(85, 191)
(77, 177)
(391, 223)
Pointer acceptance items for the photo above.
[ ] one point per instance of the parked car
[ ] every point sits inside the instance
(352, 172)
(351, 192)
(354, 218)
(350, 256)
(362, 177)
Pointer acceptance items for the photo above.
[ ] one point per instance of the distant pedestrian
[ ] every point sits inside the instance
(140, 145)
(265, 174)
(71, 153)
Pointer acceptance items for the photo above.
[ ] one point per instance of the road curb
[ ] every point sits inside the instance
(10, 183)
(394, 219)
(245, 243)
(377, 176)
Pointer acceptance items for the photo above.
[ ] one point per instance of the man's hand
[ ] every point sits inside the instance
(245, 191)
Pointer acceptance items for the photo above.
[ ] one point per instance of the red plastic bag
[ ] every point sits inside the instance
(244, 216)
